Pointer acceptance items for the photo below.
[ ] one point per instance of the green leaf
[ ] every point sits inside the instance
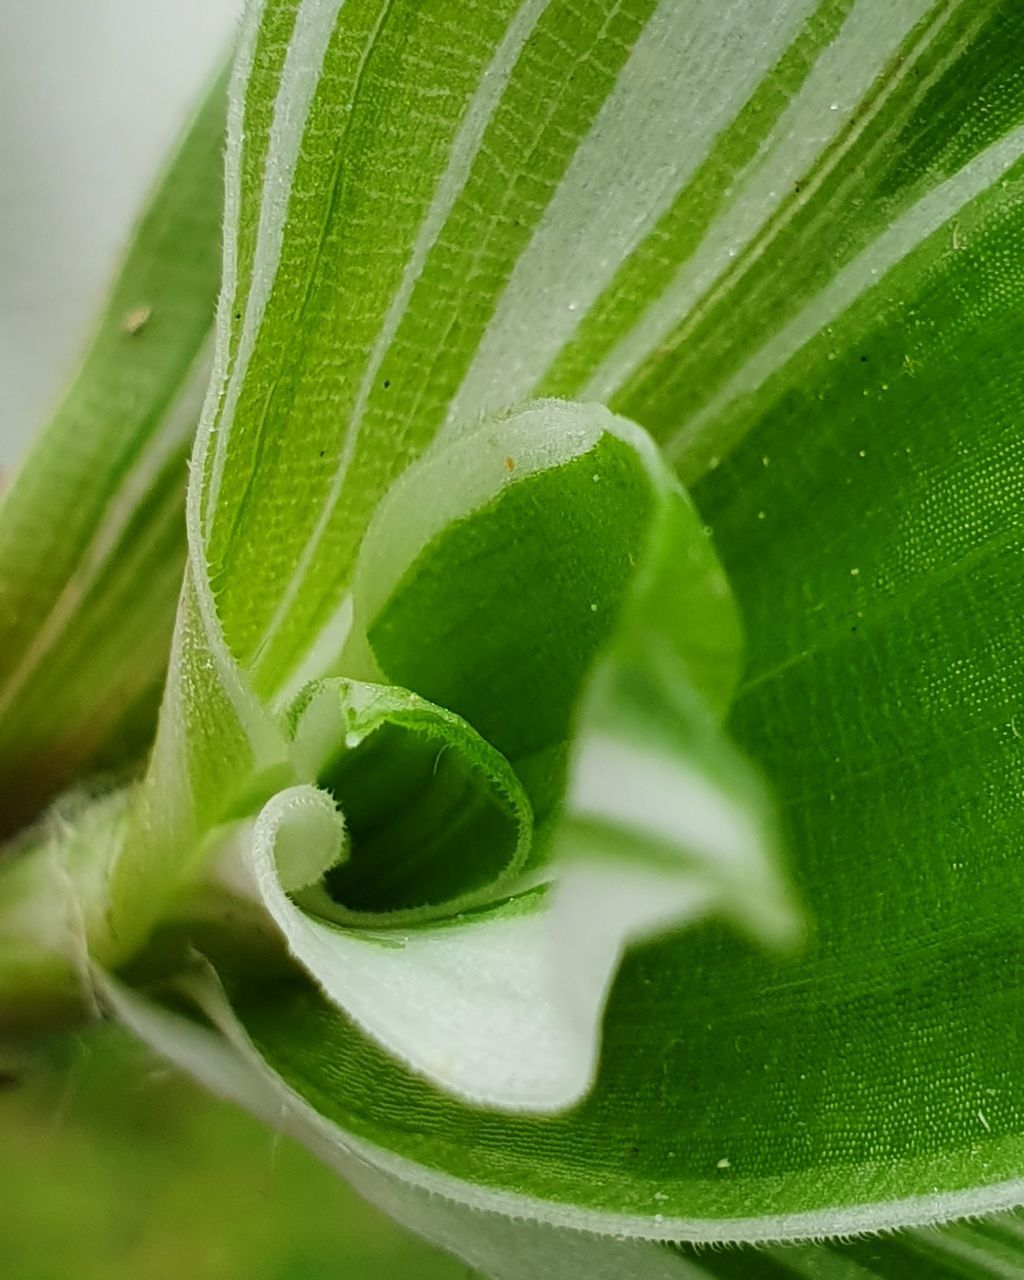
(507, 1248)
(434, 815)
(784, 238)
(91, 533)
(465, 893)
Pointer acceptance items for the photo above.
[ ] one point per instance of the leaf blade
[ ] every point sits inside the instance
(96, 510)
(868, 196)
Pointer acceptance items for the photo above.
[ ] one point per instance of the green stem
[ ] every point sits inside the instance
(60, 917)
(53, 912)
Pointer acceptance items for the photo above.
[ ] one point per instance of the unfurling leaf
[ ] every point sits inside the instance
(457, 716)
(517, 769)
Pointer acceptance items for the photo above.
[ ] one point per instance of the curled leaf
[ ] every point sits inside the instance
(465, 896)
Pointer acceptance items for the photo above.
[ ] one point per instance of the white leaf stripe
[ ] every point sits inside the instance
(451, 183)
(169, 438)
(283, 149)
(107, 620)
(932, 212)
(823, 107)
(314, 25)
(320, 656)
(57, 716)
(232, 273)
(663, 799)
(918, 81)
(695, 62)
(232, 205)
(132, 665)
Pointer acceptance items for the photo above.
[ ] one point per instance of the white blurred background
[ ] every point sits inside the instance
(92, 93)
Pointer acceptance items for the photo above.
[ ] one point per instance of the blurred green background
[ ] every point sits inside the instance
(114, 1166)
